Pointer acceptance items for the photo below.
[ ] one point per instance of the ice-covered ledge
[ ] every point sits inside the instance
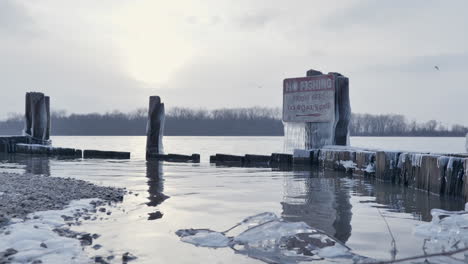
(437, 173)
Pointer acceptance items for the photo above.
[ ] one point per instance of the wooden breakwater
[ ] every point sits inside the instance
(436, 173)
(440, 174)
(28, 145)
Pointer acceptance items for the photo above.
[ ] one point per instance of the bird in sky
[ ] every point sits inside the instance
(437, 68)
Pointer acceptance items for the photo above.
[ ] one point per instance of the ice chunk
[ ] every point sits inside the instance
(347, 164)
(370, 168)
(204, 238)
(447, 231)
(259, 219)
(273, 240)
(402, 160)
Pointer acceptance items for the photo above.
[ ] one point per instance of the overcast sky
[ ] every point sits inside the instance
(97, 56)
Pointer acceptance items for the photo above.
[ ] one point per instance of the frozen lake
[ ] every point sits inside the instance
(167, 197)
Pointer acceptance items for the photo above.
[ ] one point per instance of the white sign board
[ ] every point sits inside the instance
(309, 99)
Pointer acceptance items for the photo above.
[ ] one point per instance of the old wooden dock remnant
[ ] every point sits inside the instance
(154, 128)
(320, 102)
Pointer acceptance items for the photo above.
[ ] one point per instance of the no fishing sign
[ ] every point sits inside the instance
(309, 99)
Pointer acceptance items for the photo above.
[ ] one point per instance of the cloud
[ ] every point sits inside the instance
(218, 53)
(15, 21)
(252, 21)
(80, 74)
(452, 62)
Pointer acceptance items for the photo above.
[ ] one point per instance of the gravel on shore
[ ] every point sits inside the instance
(21, 194)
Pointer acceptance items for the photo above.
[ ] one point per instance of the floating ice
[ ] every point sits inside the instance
(273, 240)
(204, 238)
(448, 231)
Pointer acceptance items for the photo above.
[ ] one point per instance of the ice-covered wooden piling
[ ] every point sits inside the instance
(321, 102)
(441, 174)
(154, 128)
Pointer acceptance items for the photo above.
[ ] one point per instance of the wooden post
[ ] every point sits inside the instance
(331, 133)
(39, 116)
(318, 135)
(28, 115)
(48, 124)
(343, 110)
(154, 127)
(36, 116)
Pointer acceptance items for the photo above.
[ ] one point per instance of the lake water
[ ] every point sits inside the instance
(170, 196)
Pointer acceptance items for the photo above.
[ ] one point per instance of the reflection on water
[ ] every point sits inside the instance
(154, 173)
(321, 202)
(398, 198)
(205, 196)
(37, 165)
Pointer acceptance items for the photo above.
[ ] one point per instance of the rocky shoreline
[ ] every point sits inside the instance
(50, 206)
(21, 194)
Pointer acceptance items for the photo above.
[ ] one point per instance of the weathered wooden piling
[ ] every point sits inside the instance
(303, 157)
(227, 159)
(365, 162)
(47, 150)
(8, 144)
(194, 158)
(99, 154)
(48, 123)
(154, 127)
(441, 174)
(386, 165)
(281, 158)
(28, 115)
(37, 117)
(251, 160)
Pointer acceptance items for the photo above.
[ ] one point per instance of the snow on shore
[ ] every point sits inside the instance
(36, 239)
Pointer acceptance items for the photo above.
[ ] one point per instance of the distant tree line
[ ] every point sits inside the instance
(398, 125)
(255, 121)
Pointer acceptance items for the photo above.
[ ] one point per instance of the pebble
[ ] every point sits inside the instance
(27, 193)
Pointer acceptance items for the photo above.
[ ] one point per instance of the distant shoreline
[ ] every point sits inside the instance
(227, 122)
(386, 136)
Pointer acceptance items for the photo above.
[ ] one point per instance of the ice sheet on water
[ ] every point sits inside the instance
(259, 219)
(272, 240)
(204, 238)
(448, 231)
